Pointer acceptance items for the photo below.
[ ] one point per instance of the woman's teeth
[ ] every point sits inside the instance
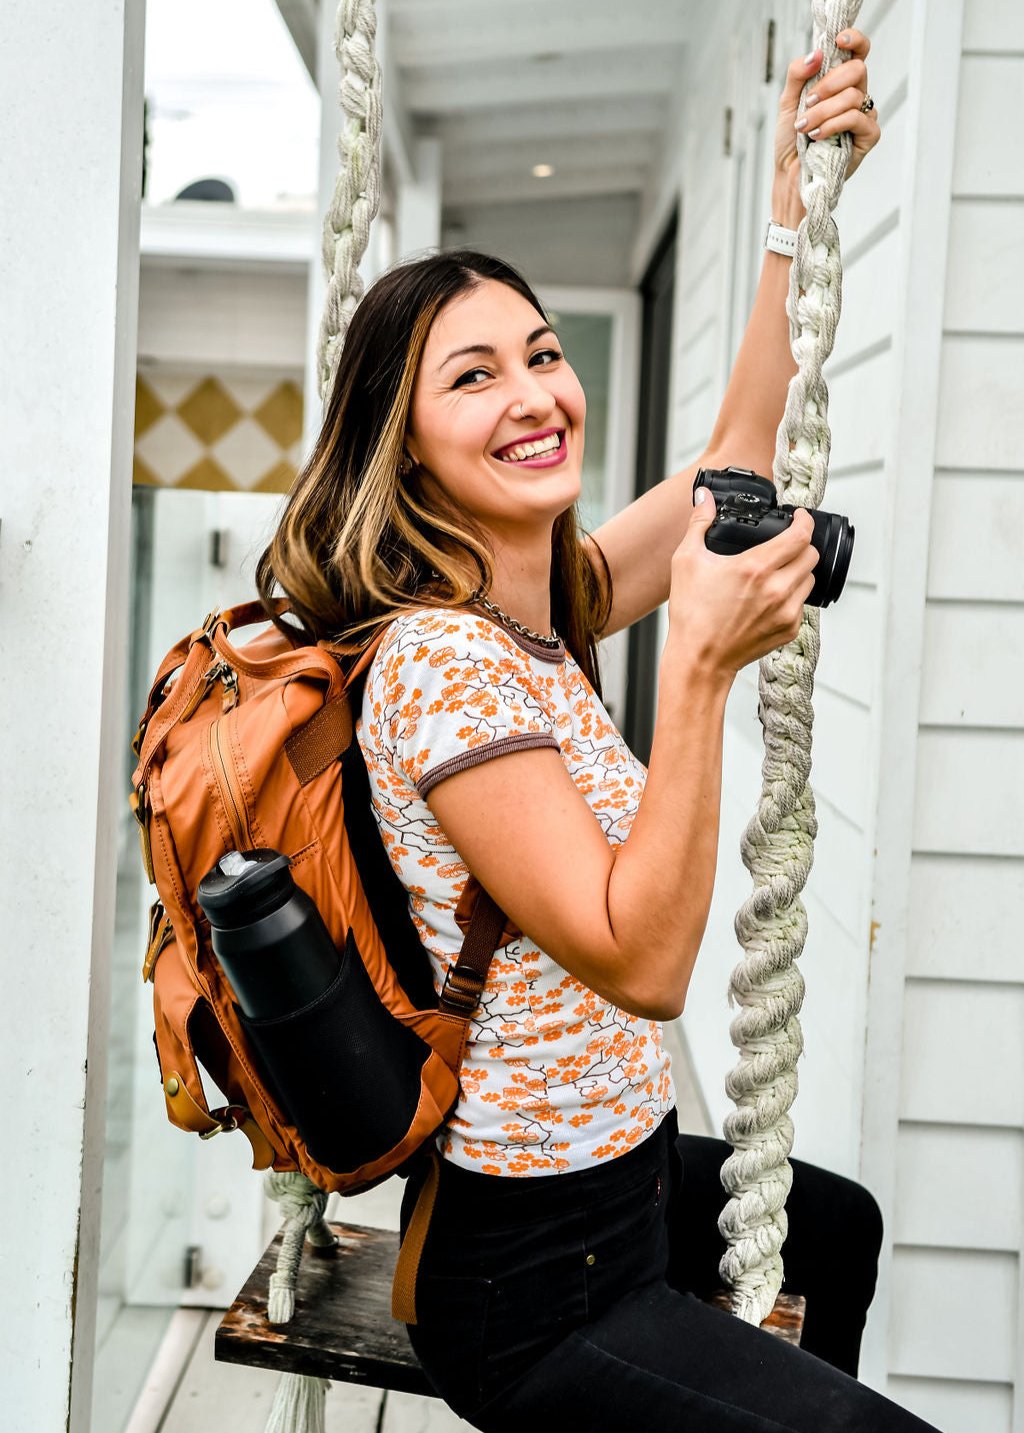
(532, 450)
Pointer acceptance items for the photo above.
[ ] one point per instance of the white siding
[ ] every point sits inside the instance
(914, 1018)
(960, 1151)
(718, 205)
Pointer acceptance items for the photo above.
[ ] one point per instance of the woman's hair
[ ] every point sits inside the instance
(361, 538)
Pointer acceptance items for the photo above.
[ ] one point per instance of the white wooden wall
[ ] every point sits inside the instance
(959, 1177)
(914, 1019)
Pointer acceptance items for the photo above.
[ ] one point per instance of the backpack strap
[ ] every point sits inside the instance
(460, 997)
(465, 981)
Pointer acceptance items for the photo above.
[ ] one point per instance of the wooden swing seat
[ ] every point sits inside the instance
(342, 1327)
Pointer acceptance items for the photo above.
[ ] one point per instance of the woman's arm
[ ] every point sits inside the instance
(628, 921)
(639, 541)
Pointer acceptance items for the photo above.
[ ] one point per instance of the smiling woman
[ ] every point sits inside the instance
(477, 429)
(417, 492)
(440, 504)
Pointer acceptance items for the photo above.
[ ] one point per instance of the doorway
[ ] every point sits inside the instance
(657, 293)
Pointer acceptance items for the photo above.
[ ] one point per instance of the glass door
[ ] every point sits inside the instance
(600, 330)
(182, 1219)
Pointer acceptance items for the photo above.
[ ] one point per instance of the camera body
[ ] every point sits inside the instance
(748, 512)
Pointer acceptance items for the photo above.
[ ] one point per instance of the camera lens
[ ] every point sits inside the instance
(833, 537)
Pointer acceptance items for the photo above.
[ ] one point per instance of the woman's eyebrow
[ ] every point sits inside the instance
(489, 350)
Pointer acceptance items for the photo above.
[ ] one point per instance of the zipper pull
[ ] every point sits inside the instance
(218, 672)
(229, 677)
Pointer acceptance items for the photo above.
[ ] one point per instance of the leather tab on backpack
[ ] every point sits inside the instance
(139, 808)
(321, 741)
(263, 1152)
(186, 1113)
(161, 933)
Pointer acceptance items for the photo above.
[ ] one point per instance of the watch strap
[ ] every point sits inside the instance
(778, 240)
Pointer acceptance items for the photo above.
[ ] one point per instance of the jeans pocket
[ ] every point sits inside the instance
(450, 1337)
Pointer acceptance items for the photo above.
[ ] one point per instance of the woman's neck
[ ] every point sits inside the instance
(522, 584)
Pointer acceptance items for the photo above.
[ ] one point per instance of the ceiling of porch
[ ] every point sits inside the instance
(578, 88)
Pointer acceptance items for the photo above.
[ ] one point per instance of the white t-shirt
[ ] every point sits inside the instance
(555, 1077)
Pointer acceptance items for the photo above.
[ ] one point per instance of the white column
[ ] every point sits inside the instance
(70, 173)
(419, 201)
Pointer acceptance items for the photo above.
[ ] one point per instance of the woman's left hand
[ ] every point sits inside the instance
(834, 106)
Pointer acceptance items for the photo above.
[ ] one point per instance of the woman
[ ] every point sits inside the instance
(440, 501)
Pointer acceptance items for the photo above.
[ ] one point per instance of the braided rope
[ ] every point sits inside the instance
(298, 1405)
(356, 196)
(303, 1205)
(777, 846)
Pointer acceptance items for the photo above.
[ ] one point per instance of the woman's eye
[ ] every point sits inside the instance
(474, 375)
(544, 356)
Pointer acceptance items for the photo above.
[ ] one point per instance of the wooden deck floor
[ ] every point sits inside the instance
(187, 1392)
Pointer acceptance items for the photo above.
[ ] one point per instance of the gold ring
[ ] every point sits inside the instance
(868, 105)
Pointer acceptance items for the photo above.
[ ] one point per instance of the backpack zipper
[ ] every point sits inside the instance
(220, 671)
(230, 790)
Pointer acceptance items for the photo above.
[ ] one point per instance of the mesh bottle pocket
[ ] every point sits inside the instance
(347, 1072)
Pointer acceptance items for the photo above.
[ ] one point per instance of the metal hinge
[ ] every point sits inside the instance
(193, 1266)
(727, 132)
(769, 53)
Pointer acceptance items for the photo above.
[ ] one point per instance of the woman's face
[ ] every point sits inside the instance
(497, 413)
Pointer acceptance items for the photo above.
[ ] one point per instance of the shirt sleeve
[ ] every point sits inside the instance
(448, 690)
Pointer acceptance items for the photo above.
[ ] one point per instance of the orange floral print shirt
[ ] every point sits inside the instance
(555, 1077)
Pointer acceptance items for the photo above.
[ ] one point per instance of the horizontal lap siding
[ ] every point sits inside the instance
(955, 1405)
(955, 1338)
(960, 1186)
(959, 922)
(861, 412)
(954, 1315)
(963, 1057)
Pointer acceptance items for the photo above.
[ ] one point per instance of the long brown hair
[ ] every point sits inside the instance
(361, 539)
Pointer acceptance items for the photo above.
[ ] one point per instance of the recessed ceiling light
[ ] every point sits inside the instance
(542, 171)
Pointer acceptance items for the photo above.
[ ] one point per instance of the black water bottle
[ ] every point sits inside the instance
(341, 1067)
(268, 936)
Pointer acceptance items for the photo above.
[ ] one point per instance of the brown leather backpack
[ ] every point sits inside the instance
(253, 746)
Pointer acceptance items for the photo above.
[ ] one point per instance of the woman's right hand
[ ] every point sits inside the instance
(727, 611)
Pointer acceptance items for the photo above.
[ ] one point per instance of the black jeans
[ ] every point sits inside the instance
(571, 1301)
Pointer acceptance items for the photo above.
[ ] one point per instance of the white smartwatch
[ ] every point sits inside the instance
(779, 240)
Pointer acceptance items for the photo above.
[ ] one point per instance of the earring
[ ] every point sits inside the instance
(406, 466)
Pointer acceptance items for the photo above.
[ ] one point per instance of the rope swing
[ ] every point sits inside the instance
(778, 844)
(356, 198)
(299, 1401)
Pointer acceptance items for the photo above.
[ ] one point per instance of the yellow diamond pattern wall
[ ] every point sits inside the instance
(218, 432)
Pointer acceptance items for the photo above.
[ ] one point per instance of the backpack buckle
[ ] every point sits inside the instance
(461, 991)
(227, 1119)
(211, 622)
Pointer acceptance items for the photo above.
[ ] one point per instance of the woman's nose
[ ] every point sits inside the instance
(534, 401)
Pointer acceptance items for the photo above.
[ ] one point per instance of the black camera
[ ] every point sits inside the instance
(748, 512)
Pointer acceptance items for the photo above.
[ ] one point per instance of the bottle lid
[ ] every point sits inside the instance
(244, 886)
